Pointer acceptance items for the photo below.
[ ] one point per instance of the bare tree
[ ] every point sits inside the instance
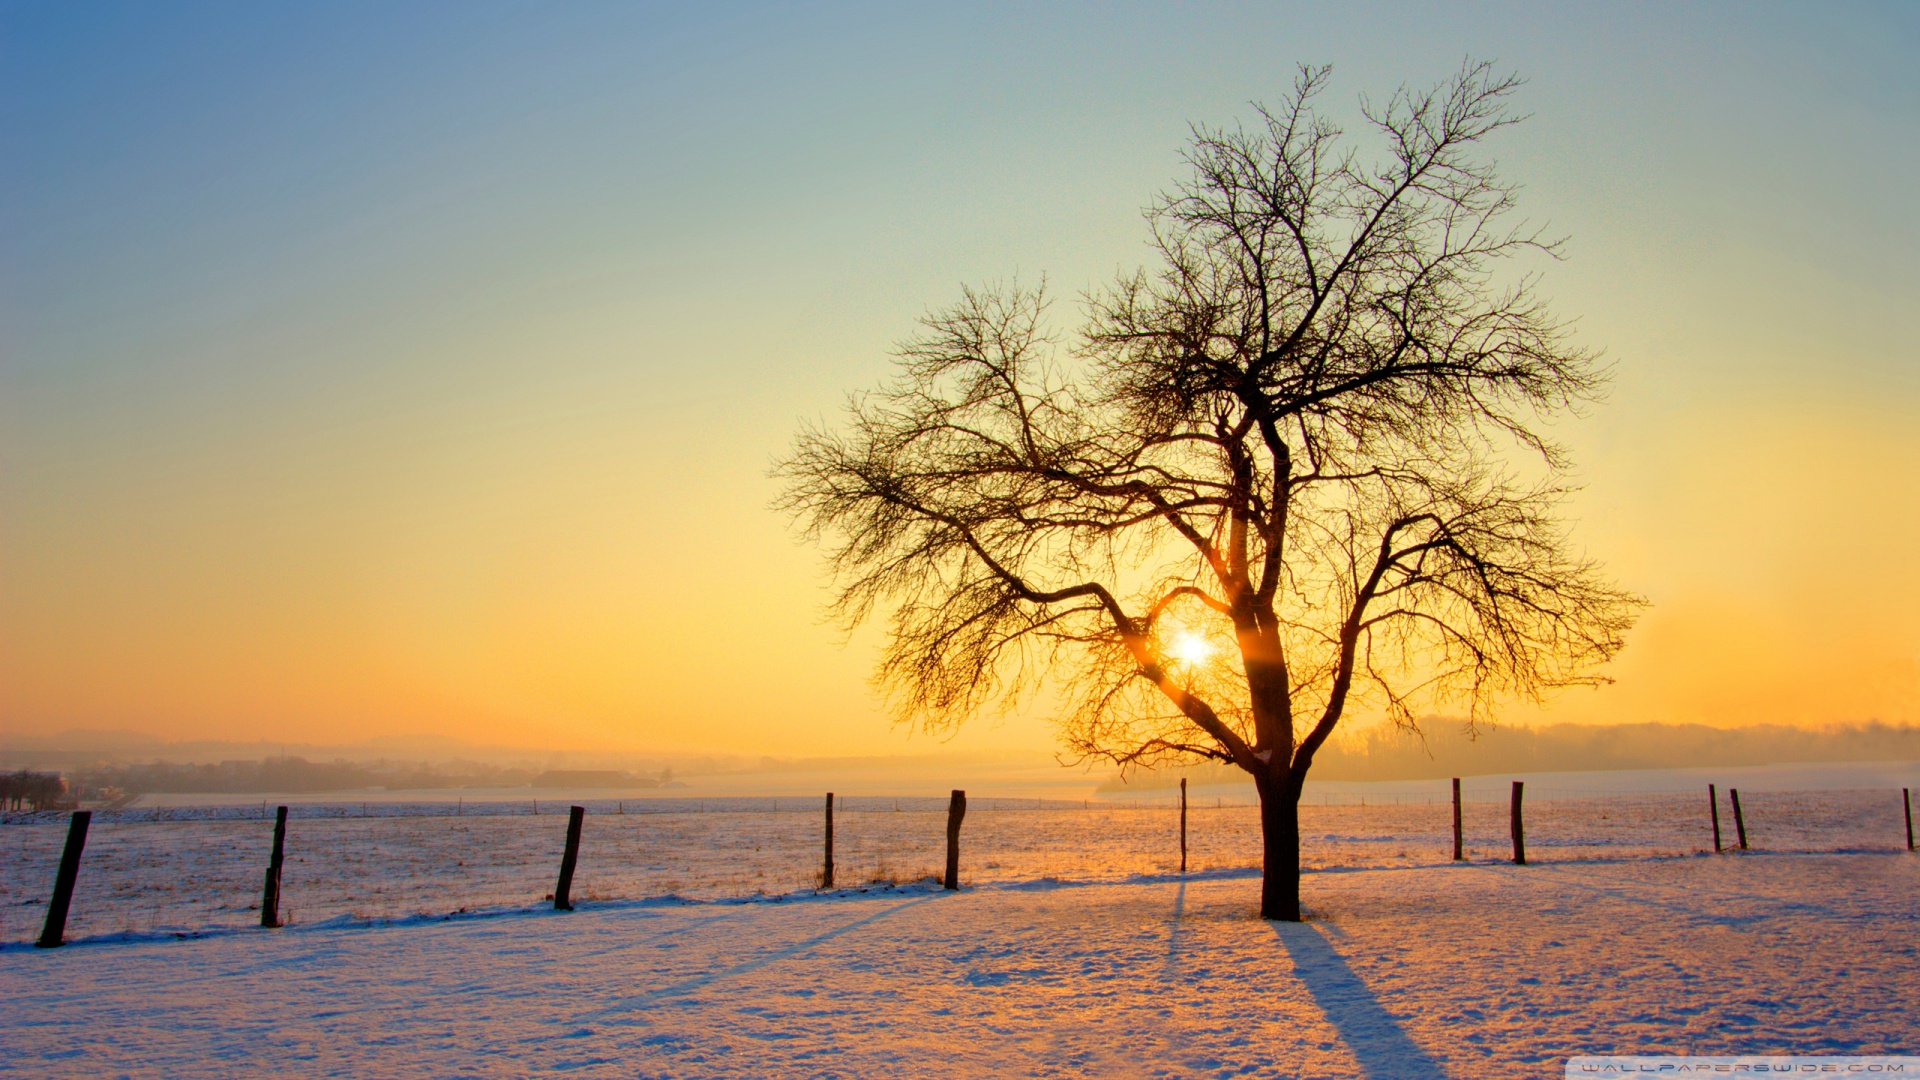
(32, 791)
(1298, 469)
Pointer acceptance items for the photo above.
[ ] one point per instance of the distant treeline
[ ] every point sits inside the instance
(25, 790)
(298, 775)
(1445, 749)
(1448, 751)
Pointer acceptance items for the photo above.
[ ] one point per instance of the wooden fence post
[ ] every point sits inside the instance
(826, 872)
(563, 892)
(1906, 803)
(1713, 807)
(1183, 824)
(956, 810)
(1519, 828)
(1459, 849)
(1739, 822)
(270, 896)
(54, 933)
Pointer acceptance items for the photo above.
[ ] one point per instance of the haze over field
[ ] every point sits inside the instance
(130, 763)
(379, 374)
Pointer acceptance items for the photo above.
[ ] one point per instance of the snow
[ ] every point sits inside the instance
(699, 948)
(1439, 970)
(187, 870)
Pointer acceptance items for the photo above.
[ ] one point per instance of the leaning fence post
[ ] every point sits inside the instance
(826, 872)
(1458, 850)
(270, 896)
(1739, 822)
(1713, 807)
(1519, 828)
(1183, 824)
(1906, 803)
(956, 810)
(563, 891)
(56, 929)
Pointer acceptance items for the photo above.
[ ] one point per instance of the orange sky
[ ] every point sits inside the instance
(425, 382)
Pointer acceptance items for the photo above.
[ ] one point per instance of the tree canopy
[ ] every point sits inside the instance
(1298, 465)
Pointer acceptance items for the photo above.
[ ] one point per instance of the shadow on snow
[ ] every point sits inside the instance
(1383, 1050)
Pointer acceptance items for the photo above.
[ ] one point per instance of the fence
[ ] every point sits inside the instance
(191, 870)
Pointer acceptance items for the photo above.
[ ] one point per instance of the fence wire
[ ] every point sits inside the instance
(189, 870)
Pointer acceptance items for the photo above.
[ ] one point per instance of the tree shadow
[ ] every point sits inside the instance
(1169, 970)
(1383, 1050)
(769, 956)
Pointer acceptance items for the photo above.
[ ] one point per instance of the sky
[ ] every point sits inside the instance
(373, 370)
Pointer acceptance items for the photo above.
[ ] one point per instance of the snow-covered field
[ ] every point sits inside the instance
(185, 870)
(1478, 970)
(419, 945)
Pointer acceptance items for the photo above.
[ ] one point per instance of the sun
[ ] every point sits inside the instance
(1190, 648)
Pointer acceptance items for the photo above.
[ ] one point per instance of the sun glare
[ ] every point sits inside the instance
(1190, 649)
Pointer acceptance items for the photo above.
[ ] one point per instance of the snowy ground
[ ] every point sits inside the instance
(418, 946)
(188, 870)
(1473, 970)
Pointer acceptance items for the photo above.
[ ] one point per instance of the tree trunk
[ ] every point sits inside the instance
(1280, 833)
